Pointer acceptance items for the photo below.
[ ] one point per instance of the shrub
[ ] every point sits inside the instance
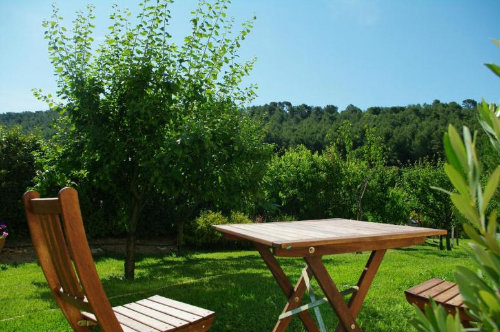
(294, 182)
(201, 234)
(17, 170)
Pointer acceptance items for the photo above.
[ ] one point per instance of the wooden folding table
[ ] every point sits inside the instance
(312, 239)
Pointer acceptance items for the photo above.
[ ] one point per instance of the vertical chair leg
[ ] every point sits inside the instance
(294, 295)
(364, 282)
(332, 293)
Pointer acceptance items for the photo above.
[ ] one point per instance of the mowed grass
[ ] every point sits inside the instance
(236, 285)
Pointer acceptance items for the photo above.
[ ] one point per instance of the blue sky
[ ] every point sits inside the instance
(317, 52)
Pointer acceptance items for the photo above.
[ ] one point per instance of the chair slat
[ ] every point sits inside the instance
(181, 306)
(45, 205)
(144, 319)
(134, 324)
(61, 258)
(157, 314)
(181, 314)
(50, 241)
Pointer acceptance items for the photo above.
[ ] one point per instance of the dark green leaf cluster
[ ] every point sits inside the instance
(17, 170)
(201, 234)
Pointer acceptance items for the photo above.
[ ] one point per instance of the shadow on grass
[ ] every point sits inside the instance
(428, 251)
(239, 287)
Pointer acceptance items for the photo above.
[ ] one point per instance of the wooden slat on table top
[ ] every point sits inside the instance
(322, 232)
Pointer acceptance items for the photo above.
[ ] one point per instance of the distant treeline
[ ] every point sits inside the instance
(409, 133)
(39, 122)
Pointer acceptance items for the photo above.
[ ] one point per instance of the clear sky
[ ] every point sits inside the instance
(317, 52)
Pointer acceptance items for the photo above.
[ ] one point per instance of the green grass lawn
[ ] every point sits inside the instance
(235, 284)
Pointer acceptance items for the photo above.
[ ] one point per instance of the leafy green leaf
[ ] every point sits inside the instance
(455, 150)
(494, 68)
(456, 179)
(465, 206)
(491, 188)
(491, 301)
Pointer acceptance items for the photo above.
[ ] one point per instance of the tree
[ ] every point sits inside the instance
(433, 208)
(137, 113)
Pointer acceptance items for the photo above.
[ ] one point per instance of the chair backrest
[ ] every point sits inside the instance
(60, 242)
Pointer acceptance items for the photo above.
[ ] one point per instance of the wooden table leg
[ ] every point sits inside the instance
(332, 293)
(294, 295)
(364, 283)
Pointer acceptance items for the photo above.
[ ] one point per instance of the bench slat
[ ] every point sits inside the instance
(447, 295)
(456, 301)
(424, 286)
(438, 289)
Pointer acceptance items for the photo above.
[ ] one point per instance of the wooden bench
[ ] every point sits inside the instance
(442, 292)
(60, 242)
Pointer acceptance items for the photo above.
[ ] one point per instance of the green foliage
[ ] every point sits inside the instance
(39, 122)
(201, 234)
(17, 170)
(295, 182)
(142, 116)
(408, 133)
(433, 207)
(479, 287)
(436, 319)
(340, 182)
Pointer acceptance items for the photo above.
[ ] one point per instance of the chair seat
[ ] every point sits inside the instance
(158, 313)
(442, 292)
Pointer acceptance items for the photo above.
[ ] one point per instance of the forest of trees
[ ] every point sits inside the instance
(409, 133)
(39, 122)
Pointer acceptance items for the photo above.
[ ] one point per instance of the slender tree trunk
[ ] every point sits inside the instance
(441, 242)
(180, 234)
(448, 234)
(360, 199)
(131, 237)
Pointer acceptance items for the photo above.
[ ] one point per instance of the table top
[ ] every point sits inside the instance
(305, 233)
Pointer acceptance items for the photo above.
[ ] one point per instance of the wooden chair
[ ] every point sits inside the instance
(60, 242)
(443, 292)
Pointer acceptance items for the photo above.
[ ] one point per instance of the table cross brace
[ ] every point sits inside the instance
(315, 303)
